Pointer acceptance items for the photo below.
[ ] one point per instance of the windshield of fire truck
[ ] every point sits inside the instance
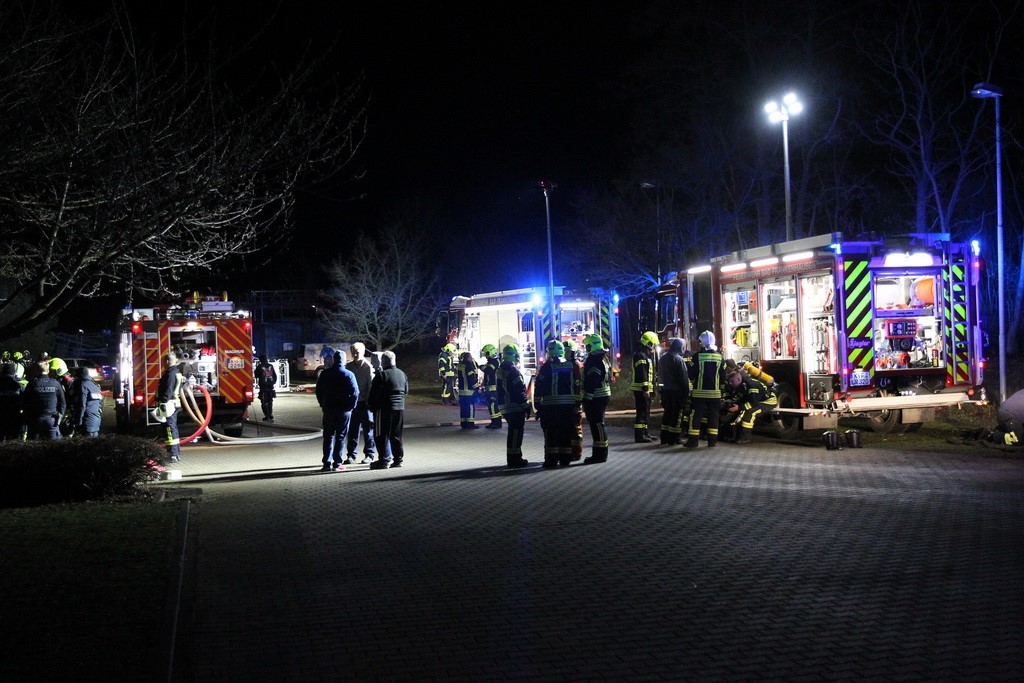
(198, 348)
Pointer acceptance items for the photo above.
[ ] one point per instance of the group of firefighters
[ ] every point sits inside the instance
(703, 395)
(43, 400)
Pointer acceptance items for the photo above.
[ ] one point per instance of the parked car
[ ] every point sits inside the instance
(95, 369)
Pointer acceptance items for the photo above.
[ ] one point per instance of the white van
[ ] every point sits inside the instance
(310, 364)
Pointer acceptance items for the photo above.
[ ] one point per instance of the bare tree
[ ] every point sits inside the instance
(922, 110)
(386, 292)
(127, 172)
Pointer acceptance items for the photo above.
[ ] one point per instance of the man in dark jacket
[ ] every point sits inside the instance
(266, 383)
(337, 394)
(85, 404)
(558, 392)
(675, 392)
(44, 404)
(387, 402)
(12, 423)
(362, 416)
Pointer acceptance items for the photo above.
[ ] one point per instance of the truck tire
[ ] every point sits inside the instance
(785, 426)
(885, 421)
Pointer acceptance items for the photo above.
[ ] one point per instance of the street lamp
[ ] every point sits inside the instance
(790, 106)
(546, 187)
(657, 208)
(986, 91)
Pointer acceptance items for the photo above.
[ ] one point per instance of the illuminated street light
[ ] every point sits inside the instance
(986, 91)
(790, 106)
(546, 188)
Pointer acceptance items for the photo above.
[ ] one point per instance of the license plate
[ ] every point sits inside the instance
(860, 378)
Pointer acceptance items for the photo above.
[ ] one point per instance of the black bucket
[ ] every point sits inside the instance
(852, 438)
(831, 439)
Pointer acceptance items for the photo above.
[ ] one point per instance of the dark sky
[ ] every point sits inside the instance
(470, 106)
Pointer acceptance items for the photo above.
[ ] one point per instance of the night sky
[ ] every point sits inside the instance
(471, 105)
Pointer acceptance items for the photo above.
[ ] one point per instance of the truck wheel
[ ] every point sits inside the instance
(785, 425)
(234, 430)
(885, 421)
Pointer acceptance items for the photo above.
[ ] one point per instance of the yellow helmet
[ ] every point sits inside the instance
(449, 348)
(489, 350)
(510, 352)
(555, 349)
(649, 339)
(592, 342)
(59, 366)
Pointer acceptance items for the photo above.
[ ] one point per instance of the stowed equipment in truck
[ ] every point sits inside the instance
(886, 327)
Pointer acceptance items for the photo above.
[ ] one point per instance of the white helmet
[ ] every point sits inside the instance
(707, 339)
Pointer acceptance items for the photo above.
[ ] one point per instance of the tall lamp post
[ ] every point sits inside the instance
(546, 187)
(777, 112)
(988, 91)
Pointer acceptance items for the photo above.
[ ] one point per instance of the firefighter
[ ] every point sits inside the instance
(643, 386)
(11, 402)
(169, 404)
(675, 392)
(707, 368)
(468, 382)
(44, 404)
(20, 365)
(446, 371)
(266, 381)
(513, 403)
(558, 393)
(597, 392)
(575, 356)
(85, 404)
(748, 398)
(490, 368)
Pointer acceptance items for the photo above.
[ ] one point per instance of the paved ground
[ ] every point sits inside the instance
(734, 563)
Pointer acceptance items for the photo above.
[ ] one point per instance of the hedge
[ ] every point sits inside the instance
(74, 469)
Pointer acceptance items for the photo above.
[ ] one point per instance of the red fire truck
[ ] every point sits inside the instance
(887, 328)
(208, 334)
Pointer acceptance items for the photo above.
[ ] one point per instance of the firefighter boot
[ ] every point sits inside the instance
(727, 432)
(599, 455)
(742, 435)
(691, 442)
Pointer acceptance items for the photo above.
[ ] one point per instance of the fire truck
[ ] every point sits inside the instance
(883, 327)
(521, 317)
(208, 334)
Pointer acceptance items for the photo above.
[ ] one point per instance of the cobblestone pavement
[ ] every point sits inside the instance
(741, 562)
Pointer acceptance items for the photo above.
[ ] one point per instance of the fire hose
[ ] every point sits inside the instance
(191, 406)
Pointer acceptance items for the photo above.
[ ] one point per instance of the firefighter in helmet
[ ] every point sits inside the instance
(446, 371)
(513, 403)
(490, 368)
(575, 356)
(597, 391)
(707, 371)
(644, 364)
(558, 393)
(468, 383)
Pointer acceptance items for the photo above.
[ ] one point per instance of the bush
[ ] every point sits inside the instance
(42, 472)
